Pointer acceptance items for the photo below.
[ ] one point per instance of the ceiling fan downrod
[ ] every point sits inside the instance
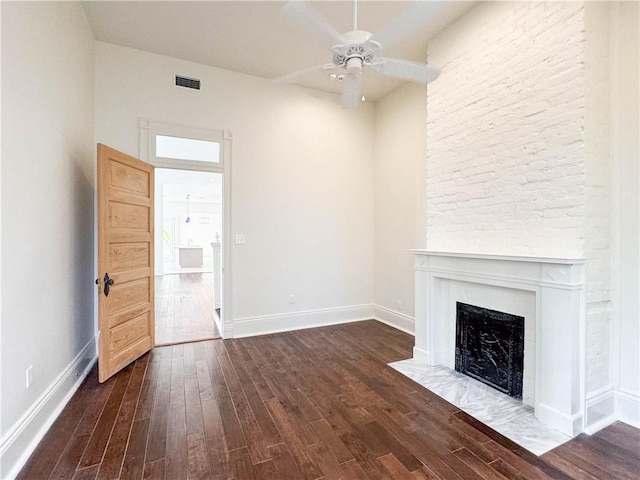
(355, 15)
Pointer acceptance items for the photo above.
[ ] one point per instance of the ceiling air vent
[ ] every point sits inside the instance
(187, 82)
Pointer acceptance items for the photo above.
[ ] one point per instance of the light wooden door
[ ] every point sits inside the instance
(125, 260)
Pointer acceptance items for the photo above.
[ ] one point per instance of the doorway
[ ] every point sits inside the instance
(197, 151)
(188, 211)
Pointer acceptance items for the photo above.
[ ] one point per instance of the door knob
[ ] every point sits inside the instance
(107, 284)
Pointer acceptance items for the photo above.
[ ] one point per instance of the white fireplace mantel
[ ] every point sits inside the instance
(558, 311)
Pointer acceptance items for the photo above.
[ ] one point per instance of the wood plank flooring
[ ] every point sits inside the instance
(184, 308)
(312, 404)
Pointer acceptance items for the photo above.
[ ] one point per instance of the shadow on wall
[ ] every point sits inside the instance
(82, 244)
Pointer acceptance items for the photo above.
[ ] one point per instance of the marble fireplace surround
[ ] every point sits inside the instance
(556, 289)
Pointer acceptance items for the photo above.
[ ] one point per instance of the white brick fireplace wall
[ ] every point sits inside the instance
(518, 154)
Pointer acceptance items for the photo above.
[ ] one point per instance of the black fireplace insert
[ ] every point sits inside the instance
(490, 347)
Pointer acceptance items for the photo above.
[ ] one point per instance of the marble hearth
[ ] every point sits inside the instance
(506, 415)
(548, 292)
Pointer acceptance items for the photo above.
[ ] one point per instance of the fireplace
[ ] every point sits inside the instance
(548, 293)
(490, 347)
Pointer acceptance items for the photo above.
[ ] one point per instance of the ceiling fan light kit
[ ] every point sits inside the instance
(353, 65)
(356, 50)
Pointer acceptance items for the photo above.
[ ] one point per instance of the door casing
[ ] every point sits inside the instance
(148, 129)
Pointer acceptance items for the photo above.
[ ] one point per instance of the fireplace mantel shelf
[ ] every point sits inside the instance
(509, 258)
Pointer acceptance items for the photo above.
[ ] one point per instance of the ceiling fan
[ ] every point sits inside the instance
(354, 51)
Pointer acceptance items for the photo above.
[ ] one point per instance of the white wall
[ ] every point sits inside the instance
(302, 181)
(400, 144)
(1, 237)
(625, 78)
(597, 237)
(48, 156)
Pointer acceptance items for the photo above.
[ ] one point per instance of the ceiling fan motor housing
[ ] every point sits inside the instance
(358, 50)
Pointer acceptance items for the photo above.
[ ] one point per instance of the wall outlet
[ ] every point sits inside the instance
(240, 240)
(29, 373)
(292, 299)
(399, 305)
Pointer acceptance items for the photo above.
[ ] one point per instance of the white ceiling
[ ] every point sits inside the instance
(256, 37)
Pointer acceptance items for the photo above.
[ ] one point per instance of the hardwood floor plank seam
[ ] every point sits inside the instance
(314, 404)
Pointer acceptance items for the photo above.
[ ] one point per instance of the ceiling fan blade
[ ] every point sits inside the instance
(405, 69)
(300, 12)
(289, 77)
(351, 90)
(407, 22)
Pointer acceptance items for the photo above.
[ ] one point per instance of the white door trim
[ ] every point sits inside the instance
(148, 129)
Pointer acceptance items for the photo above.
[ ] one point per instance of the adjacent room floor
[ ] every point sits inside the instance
(184, 308)
(311, 404)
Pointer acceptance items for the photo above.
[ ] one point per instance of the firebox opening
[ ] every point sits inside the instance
(490, 347)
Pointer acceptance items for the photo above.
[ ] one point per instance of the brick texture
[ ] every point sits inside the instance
(517, 144)
(505, 148)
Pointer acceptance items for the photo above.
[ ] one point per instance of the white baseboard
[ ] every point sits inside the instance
(251, 326)
(570, 425)
(421, 355)
(601, 410)
(628, 407)
(23, 437)
(217, 321)
(395, 319)
(262, 325)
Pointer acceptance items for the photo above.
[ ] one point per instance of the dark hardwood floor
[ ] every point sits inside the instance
(311, 404)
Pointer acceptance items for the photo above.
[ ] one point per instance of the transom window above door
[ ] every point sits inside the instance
(187, 149)
(170, 145)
